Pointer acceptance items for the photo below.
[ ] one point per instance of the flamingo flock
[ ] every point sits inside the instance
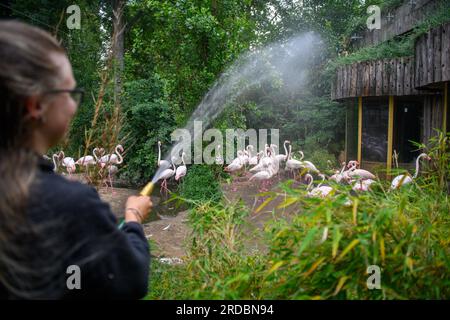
(107, 162)
(266, 164)
(260, 167)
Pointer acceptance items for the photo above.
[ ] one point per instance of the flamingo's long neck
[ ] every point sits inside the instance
(249, 147)
(119, 155)
(343, 168)
(302, 155)
(417, 165)
(290, 153)
(159, 153)
(311, 180)
(54, 162)
(285, 149)
(323, 180)
(182, 159)
(94, 152)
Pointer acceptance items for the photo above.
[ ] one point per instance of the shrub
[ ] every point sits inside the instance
(201, 184)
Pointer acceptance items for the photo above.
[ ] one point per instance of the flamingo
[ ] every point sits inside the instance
(310, 167)
(283, 157)
(86, 161)
(319, 191)
(167, 174)
(253, 161)
(269, 167)
(264, 176)
(352, 163)
(55, 161)
(68, 163)
(163, 164)
(94, 152)
(112, 170)
(363, 174)
(338, 176)
(261, 156)
(268, 160)
(236, 165)
(115, 158)
(292, 164)
(181, 170)
(404, 179)
(363, 185)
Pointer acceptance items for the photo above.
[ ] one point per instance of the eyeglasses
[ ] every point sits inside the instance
(76, 94)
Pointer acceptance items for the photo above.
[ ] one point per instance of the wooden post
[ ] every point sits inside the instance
(359, 128)
(444, 116)
(346, 133)
(390, 134)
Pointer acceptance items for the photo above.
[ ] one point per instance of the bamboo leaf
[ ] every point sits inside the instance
(262, 205)
(313, 267)
(309, 237)
(382, 249)
(336, 239)
(355, 211)
(347, 249)
(286, 203)
(275, 267)
(340, 285)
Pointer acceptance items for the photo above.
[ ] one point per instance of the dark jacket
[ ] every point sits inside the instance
(81, 230)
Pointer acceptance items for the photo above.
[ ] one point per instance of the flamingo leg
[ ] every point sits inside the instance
(161, 190)
(111, 184)
(164, 188)
(87, 174)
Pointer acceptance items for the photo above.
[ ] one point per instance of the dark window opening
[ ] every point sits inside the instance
(375, 129)
(352, 130)
(407, 115)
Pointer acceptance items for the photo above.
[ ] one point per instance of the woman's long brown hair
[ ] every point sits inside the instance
(26, 69)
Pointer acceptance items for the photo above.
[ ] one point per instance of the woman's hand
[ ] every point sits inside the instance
(137, 208)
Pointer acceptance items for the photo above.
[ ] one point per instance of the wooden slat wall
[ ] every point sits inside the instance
(375, 78)
(432, 57)
(432, 117)
(403, 19)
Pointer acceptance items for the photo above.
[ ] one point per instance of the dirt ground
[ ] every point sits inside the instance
(169, 232)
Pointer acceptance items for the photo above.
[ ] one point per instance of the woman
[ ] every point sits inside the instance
(57, 238)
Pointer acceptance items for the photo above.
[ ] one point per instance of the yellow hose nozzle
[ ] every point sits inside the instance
(147, 191)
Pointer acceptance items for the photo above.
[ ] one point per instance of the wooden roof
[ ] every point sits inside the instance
(399, 76)
(375, 78)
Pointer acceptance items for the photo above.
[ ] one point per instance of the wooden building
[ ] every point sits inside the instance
(392, 102)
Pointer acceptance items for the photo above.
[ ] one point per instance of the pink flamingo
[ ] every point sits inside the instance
(405, 179)
(115, 158)
(181, 170)
(167, 174)
(68, 163)
(236, 165)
